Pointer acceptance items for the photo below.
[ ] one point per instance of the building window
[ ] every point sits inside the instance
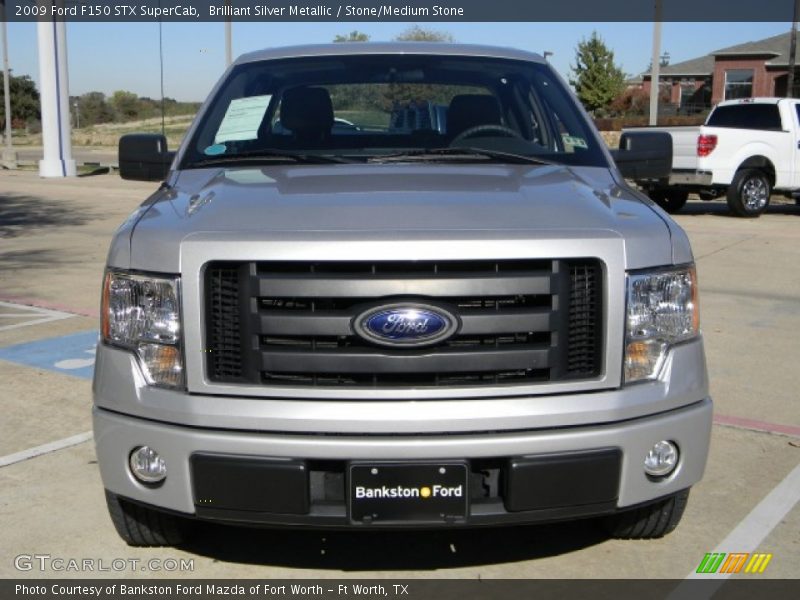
(687, 90)
(738, 84)
(664, 92)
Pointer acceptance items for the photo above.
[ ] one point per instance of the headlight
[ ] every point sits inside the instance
(142, 314)
(662, 310)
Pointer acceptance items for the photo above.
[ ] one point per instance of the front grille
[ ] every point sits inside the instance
(224, 330)
(583, 355)
(290, 323)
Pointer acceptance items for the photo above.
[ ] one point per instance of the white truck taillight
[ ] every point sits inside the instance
(706, 144)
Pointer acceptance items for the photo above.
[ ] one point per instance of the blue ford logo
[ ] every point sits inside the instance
(405, 324)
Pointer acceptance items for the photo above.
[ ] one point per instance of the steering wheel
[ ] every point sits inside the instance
(473, 131)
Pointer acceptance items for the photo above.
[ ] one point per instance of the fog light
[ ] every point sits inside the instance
(662, 459)
(147, 466)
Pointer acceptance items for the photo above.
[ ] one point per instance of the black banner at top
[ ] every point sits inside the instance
(400, 10)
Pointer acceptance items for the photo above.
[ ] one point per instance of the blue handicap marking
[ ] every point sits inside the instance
(69, 354)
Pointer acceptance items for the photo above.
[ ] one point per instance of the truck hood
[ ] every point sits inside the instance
(429, 201)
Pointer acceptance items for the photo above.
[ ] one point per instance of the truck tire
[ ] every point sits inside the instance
(749, 192)
(142, 526)
(649, 521)
(670, 200)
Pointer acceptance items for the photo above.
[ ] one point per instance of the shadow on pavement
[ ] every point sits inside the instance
(719, 208)
(97, 171)
(20, 213)
(30, 259)
(391, 550)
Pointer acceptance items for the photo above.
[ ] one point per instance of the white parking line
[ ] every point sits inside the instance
(74, 440)
(36, 315)
(748, 534)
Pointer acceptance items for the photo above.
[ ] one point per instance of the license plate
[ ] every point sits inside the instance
(408, 493)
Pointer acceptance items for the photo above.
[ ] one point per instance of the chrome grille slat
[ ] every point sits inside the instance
(380, 286)
(347, 360)
(334, 323)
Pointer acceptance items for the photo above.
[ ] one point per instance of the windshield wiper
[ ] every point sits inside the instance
(266, 157)
(459, 152)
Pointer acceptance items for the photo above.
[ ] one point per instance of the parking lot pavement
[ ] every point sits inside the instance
(53, 239)
(55, 236)
(104, 155)
(749, 299)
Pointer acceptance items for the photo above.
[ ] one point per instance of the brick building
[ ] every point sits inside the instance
(746, 70)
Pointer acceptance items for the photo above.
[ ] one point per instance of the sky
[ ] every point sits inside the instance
(107, 57)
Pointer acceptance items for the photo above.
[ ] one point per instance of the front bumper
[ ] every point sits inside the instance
(116, 435)
(120, 387)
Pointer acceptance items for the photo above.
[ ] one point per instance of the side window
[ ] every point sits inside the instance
(536, 114)
(747, 116)
(275, 127)
(566, 131)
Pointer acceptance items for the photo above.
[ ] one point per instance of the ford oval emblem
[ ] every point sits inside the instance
(405, 324)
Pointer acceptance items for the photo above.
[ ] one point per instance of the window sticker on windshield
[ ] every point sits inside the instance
(242, 119)
(215, 150)
(574, 141)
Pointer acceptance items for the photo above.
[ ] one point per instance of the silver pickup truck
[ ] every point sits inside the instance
(324, 319)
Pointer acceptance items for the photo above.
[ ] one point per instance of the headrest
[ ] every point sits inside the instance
(471, 110)
(307, 111)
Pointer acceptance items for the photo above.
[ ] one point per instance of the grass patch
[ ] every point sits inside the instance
(108, 134)
(365, 118)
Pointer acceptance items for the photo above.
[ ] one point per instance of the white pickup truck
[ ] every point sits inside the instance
(746, 150)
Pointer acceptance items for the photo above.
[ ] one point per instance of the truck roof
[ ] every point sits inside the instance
(764, 100)
(362, 48)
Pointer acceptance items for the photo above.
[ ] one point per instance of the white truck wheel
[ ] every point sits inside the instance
(749, 192)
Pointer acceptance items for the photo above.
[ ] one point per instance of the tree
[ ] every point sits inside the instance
(126, 105)
(24, 100)
(663, 61)
(631, 102)
(597, 79)
(353, 36)
(94, 109)
(415, 33)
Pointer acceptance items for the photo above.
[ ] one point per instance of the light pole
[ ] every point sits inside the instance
(57, 158)
(792, 49)
(77, 115)
(547, 53)
(655, 65)
(228, 38)
(9, 157)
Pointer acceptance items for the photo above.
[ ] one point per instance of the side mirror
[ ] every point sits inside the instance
(644, 155)
(144, 157)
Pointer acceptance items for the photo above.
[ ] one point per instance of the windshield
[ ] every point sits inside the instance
(365, 107)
